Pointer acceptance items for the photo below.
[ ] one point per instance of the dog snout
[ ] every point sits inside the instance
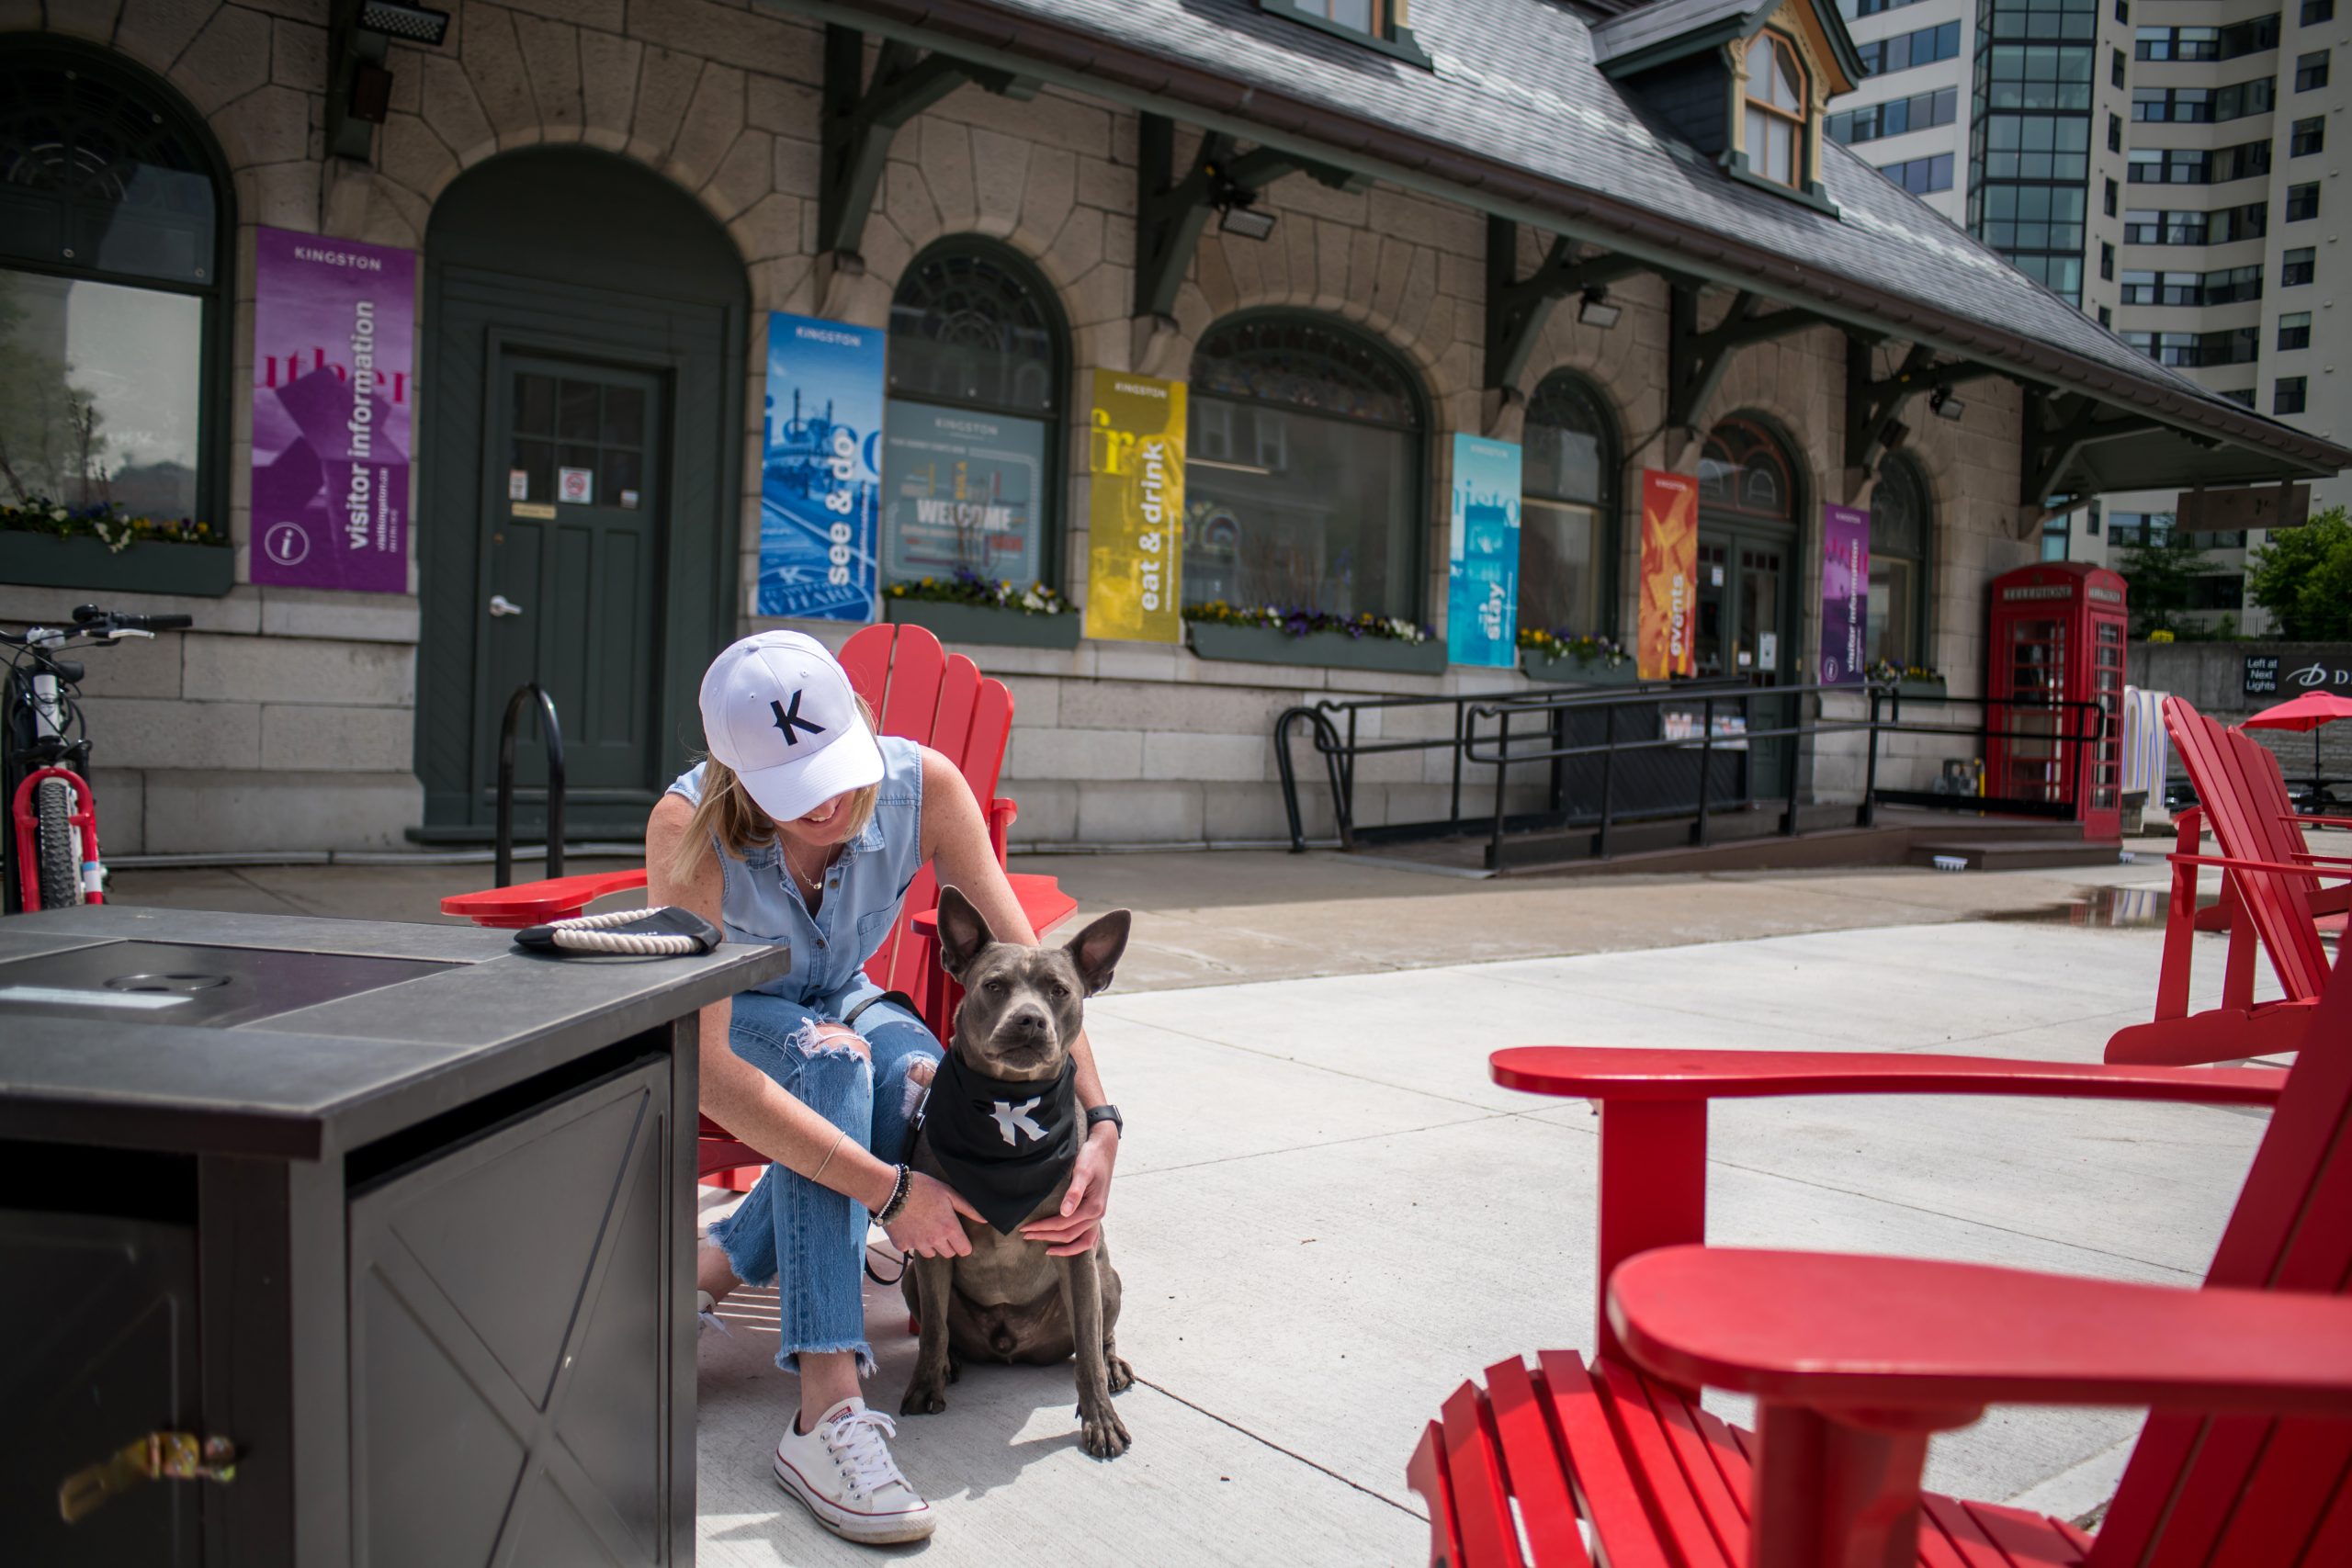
(1027, 1024)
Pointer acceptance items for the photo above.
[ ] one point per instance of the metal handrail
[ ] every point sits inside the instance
(552, 732)
(1500, 749)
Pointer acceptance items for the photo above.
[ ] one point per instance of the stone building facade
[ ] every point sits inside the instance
(289, 719)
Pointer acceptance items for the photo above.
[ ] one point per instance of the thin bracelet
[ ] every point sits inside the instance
(817, 1174)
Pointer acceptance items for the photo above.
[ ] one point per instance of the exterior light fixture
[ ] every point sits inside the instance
(1944, 405)
(1596, 311)
(417, 24)
(1237, 207)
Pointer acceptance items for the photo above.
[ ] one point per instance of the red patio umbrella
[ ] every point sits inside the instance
(2307, 712)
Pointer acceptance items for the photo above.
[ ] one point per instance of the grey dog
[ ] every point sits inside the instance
(1008, 1301)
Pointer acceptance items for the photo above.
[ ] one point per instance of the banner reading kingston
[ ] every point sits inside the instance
(1664, 617)
(335, 328)
(1482, 587)
(1845, 594)
(820, 480)
(1135, 519)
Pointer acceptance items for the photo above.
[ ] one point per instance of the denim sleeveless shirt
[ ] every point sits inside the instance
(863, 889)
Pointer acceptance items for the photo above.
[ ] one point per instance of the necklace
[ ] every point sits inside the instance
(811, 882)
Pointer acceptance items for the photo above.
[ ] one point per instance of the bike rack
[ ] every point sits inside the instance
(553, 732)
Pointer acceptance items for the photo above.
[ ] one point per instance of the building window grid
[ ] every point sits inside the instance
(1904, 52)
(2298, 266)
(2307, 137)
(2030, 151)
(2203, 105)
(1921, 177)
(2197, 166)
(2311, 71)
(1921, 111)
(1778, 96)
(2302, 202)
(2202, 44)
(2227, 286)
(2295, 330)
(2219, 226)
(2317, 11)
(2110, 198)
(2286, 394)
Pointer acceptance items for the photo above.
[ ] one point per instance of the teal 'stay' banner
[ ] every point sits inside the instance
(820, 477)
(1482, 595)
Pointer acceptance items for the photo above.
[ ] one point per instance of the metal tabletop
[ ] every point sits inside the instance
(297, 1036)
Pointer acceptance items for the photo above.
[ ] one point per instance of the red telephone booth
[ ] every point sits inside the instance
(2057, 638)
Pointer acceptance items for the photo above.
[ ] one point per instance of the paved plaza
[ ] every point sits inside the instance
(1326, 1216)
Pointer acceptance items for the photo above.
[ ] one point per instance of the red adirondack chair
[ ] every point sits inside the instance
(2269, 783)
(919, 692)
(2269, 885)
(1856, 1360)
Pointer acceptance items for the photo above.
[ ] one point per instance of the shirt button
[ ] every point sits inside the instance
(820, 941)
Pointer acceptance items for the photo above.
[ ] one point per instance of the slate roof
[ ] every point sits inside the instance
(1516, 115)
(1646, 25)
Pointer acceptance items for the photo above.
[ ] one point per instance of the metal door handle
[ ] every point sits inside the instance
(501, 605)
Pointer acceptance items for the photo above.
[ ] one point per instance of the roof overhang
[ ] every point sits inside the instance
(1131, 74)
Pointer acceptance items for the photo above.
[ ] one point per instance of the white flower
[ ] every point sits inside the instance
(57, 514)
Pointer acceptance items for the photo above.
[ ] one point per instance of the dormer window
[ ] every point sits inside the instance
(1379, 23)
(1777, 104)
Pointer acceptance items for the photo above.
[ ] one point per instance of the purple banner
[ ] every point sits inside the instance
(1845, 594)
(334, 324)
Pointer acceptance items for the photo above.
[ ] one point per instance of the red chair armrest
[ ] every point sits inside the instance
(2228, 862)
(1002, 816)
(537, 903)
(1837, 1331)
(1607, 1073)
(2301, 821)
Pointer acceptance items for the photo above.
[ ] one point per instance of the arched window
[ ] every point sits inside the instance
(1567, 539)
(1900, 529)
(114, 219)
(1777, 102)
(1303, 479)
(971, 435)
(1743, 471)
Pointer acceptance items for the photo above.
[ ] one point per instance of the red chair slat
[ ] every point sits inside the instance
(1427, 1475)
(1612, 1498)
(1961, 1532)
(1481, 1503)
(866, 660)
(917, 662)
(1536, 1466)
(1659, 1473)
(951, 732)
(2023, 1540)
(1727, 1516)
(2288, 1497)
(992, 724)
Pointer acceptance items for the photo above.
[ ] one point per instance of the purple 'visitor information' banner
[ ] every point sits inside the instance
(1845, 594)
(334, 324)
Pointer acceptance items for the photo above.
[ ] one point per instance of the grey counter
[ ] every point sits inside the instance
(403, 1213)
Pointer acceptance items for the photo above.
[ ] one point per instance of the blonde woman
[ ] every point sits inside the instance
(804, 827)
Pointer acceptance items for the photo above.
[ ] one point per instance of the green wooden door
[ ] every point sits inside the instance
(570, 569)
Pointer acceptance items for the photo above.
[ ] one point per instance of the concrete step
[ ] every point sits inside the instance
(2012, 854)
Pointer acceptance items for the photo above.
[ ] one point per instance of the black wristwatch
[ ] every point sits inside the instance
(1105, 1113)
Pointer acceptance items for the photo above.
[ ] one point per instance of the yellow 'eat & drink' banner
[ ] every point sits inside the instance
(1136, 520)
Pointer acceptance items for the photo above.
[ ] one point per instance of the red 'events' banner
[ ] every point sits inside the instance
(1665, 616)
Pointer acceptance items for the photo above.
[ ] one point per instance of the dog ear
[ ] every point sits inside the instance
(1096, 950)
(963, 931)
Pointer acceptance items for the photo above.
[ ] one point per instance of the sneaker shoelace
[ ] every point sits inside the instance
(856, 1441)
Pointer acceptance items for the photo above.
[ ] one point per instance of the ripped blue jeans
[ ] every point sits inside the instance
(808, 1239)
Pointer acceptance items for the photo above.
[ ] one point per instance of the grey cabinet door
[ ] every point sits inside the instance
(97, 1318)
(515, 1307)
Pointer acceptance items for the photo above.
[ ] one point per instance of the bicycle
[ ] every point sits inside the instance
(47, 757)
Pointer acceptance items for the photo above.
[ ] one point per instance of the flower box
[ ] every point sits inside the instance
(1336, 650)
(149, 566)
(951, 622)
(1924, 691)
(1574, 671)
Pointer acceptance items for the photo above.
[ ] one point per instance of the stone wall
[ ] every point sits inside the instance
(2212, 676)
(287, 721)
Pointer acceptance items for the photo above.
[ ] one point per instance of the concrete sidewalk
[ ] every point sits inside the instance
(1326, 1216)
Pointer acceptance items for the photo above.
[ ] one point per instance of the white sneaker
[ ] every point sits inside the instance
(843, 1472)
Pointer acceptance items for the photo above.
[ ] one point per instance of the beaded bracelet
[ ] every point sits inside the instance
(889, 1211)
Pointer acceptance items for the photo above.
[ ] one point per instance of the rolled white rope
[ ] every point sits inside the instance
(581, 933)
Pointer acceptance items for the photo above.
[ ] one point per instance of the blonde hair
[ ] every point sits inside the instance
(727, 813)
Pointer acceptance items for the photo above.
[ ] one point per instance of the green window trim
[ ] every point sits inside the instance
(1395, 39)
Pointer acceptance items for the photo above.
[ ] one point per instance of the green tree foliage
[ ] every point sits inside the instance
(2160, 576)
(2303, 577)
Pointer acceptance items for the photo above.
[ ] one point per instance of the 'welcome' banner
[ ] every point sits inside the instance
(1663, 617)
(1845, 594)
(1135, 518)
(334, 323)
(820, 480)
(1482, 597)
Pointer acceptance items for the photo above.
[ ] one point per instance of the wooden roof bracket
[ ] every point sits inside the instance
(2058, 426)
(1516, 308)
(1171, 213)
(1873, 403)
(861, 116)
(1695, 360)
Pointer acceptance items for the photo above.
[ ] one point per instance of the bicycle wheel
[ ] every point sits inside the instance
(56, 846)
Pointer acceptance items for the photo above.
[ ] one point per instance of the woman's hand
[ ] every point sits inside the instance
(927, 1225)
(1079, 1225)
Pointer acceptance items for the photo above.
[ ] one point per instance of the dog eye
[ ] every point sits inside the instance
(994, 987)
(1061, 992)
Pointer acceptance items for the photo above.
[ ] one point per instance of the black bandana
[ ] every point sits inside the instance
(1003, 1144)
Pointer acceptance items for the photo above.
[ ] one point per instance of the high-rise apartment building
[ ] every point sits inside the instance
(2166, 165)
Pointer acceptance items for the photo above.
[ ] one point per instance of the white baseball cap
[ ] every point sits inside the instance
(778, 708)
